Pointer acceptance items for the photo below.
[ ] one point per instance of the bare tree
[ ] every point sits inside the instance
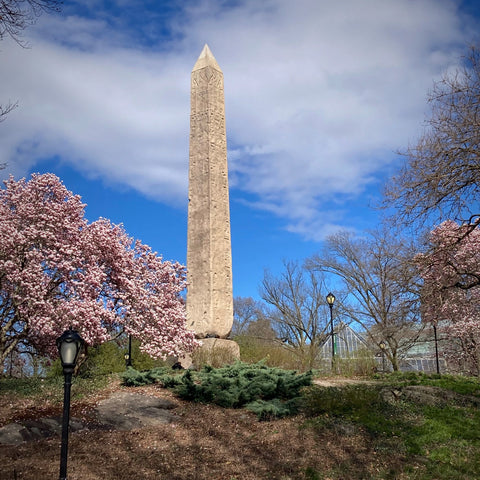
(4, 110)
(17, 15)
(246, 311)
(377, 280)
(441, 178)
(299, 314)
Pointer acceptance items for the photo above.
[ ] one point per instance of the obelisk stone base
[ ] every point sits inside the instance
(216, 352)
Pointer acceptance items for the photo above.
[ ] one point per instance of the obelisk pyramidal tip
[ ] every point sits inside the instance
(209, 255)
(205, 59)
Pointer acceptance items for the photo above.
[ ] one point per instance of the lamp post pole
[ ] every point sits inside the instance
(129, 351)
(69, 345)
(65, 424)
(331, 301)
(382, 348)
(128, 356)
(436, 348)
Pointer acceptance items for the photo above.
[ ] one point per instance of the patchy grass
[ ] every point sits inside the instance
(441, 442)
(454, 383)
(51, 388)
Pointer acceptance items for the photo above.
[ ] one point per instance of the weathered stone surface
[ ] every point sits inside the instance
(12, 434)
(220, 350)
(209, 258)
(16, 433)
(122, 411)
(128, 411)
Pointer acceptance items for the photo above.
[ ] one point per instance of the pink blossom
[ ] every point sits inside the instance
(451, 289)
(57, 270)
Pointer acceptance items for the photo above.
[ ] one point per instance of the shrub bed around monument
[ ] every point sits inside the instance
(268, 392)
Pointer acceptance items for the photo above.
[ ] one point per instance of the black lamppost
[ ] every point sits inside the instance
(331, 301)
(436, 348)
(383, 346)
(128, 355)
(69, 345)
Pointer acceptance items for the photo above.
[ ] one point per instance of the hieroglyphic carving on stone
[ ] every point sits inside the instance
(209, 259)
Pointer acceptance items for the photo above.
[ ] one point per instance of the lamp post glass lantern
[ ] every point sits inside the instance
(69, 345)
(331, 301)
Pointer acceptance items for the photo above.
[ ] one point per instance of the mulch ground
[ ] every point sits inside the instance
(204, 442)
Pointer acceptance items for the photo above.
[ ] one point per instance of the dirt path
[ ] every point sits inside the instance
(342, 381)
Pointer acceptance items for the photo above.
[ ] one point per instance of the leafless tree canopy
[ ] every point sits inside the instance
(246, 311)
(378, 286)
(441, 178)
(17, 15)
(299, 311)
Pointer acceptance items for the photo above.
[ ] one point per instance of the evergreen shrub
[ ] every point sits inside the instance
(160, 375)
(275, 408)
(269, 392)
(240, 384)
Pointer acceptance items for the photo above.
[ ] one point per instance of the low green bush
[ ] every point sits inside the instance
(238, 384)
(274, 390)
(275, 408)
(102, 360)
(161, 375)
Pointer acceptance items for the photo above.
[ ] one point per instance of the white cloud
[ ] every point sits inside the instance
(318, 96)
(117, 114)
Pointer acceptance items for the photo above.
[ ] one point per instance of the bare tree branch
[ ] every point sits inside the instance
(17, 15)
(6, 109)
(441, 177)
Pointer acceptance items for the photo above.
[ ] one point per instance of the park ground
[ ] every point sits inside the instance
(210, 442)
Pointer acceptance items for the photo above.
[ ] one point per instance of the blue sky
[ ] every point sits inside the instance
(319, 97)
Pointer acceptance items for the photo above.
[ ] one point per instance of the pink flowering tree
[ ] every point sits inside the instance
(451, 291)
(57, 270)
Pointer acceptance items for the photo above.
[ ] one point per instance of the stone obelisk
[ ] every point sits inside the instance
(209, 254)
